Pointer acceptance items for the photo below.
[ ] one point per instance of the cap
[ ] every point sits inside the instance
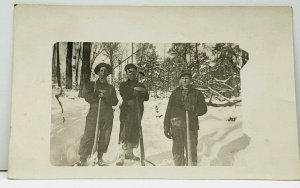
(107, 66)
(185, 72)
(130, 66)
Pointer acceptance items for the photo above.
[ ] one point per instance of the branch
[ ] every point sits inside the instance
(216, 92)
(120, 62)
(223, 81)
(95, 55)
(62, 110)
(223, 105)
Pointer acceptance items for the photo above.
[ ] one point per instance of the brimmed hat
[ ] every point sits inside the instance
(185, 72)
(130, 66)
(107, 66)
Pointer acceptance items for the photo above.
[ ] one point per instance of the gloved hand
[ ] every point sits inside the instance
(168, 133)
(102, 93)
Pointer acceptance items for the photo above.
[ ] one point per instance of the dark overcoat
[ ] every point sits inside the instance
(129, 125)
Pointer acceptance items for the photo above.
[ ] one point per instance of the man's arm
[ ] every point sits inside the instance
(91, 96)
(201, 107)
(167, 122)
(168, 112)
(144, 94)
(111, 97)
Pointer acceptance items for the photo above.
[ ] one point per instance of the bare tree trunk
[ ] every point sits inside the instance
(132, 53)
(54, 65)
(185, 58)
(190, 54)
(223, 104)
(69, 66)
(196, 56)
(169, 81)
(58, 66)
(85, 69)
(77, 65)
(111, 61)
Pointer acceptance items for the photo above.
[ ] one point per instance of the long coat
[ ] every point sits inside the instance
(175, 113)
(129, 125)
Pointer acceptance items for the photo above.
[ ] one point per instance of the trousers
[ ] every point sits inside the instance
(105, 127)
(180, 145)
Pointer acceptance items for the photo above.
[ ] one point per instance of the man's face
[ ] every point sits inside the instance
(185, 81)
(102, 73)
(131, 73)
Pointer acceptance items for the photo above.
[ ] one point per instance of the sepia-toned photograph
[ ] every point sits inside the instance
(129, 104)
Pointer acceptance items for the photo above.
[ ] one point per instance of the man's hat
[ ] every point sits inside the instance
(185, 72)
(107, 66)
(130, 66)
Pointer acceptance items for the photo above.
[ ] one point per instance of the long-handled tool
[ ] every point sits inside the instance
(143, 158)
(188, 141)
(94, 154)
(141, 133)
(139, 117)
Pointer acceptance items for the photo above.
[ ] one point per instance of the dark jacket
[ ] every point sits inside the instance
(176, 110)
(129, 126)
(110, 99)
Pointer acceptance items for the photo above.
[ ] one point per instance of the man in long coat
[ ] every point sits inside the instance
(107, 93)
(133, 94)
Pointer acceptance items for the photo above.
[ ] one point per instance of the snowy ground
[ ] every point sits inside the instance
(221, 138)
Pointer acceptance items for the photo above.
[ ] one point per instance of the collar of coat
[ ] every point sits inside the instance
(101, 83)
(133, 81)
(189, 87)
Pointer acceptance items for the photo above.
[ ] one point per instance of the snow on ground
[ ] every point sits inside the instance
(221, 138)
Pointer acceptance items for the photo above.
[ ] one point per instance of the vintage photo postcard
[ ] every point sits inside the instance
(153, 92)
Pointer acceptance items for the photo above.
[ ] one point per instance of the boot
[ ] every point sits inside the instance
(100, 160)
(81, 162)
(131, 156)
(101, 163)
(120, 160)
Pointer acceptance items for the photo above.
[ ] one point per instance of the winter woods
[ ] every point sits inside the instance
(215, 71)
(215, 67)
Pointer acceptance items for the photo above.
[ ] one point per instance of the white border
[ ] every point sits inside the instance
(6, 16)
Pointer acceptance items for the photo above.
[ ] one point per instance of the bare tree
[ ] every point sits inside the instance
(97, 50)
(54, 64)
(85, 69)
(58, 66)
(111, 51)
(78, 52)
(69, 65)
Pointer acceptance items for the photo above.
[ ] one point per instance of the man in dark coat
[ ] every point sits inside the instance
(96, 90)
(133, 94)
(184, 98)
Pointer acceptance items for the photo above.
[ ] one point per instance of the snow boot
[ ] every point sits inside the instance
(81, 162)
(131, 156)
(100, 160)
(120, 160)
(101, 163)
